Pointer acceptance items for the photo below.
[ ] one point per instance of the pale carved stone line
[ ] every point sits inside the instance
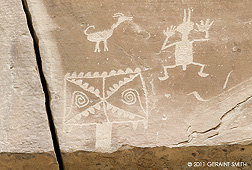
(227, 78)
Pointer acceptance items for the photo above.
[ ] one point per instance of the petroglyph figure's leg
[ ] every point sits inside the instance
(166, 73)
(105, 45)
(97, 48)
(201, 69)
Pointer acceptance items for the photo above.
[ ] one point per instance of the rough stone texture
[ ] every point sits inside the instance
(162, 158)
(23, 119)
(100, 101)
(28, 161)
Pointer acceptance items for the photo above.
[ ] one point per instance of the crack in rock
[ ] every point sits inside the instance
(194, 133)
(44, 84)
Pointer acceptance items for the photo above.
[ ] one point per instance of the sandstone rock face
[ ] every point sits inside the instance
(147, 73)
(24, 125)
(163, 158)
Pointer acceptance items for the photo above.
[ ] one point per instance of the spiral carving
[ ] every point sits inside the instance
(129, 96)
(81, 99)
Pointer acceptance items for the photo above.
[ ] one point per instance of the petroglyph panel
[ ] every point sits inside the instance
(147, 73)
(92, 96)
(90, 100)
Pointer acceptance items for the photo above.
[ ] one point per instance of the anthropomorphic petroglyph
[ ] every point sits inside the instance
(184, 48)
(103, 36)
(92, 99)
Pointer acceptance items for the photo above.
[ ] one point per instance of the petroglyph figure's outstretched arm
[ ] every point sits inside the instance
(204, 27)
(167, 46)
(168, 33)
(200, 40)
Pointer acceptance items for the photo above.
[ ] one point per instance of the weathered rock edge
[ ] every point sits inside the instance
(161, 158)
(20, 161)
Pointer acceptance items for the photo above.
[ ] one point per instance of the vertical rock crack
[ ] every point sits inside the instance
(44, 84)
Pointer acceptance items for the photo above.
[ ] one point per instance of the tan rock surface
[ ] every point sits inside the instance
(194, 60)
(161, 158)
(28, 161)
(24, 125)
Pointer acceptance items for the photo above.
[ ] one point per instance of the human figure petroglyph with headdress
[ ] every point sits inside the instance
(184, 48)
